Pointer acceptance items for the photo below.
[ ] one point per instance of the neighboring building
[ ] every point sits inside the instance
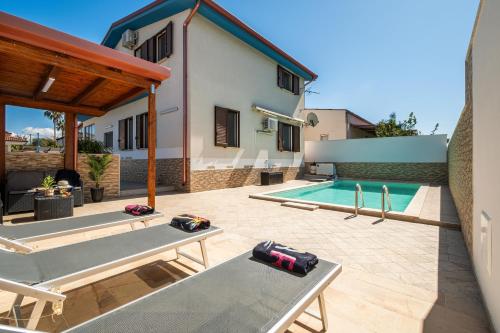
(13, 140)
(474, 158)
(335, 124)
(236, 79)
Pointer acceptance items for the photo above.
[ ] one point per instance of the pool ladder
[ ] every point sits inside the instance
(357, 193)
(385, 195)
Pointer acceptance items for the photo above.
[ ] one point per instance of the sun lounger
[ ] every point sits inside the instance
(240, 295)
(41, 274)
(16, 237)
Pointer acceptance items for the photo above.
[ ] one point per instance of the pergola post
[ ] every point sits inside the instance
(2, 144)
(69, 141)
(151, 145)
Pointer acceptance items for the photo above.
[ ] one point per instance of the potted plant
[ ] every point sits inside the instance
(98, 165)
(48, 186)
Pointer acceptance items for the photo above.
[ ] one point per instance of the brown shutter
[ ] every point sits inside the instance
(169, 32)
(280, 77)
(121, 134)
(220, 127)
(151, 43)
(296, 138)
(295, 85)
(280, 137)
(144, 50)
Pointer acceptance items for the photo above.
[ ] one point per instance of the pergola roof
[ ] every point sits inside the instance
(87, 78)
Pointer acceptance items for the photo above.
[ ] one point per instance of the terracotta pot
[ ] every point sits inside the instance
(49, 192)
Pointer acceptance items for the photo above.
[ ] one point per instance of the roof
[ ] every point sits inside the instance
(160, 9)
(16, 28)
(14, 138)
(47, 69)
(368, 123)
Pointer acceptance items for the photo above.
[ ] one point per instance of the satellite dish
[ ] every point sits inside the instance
(312, 119)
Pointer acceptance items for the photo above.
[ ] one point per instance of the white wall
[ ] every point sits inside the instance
(409, 149)
(169, 96)
(331, 122)
(486, 154)
(226, 72)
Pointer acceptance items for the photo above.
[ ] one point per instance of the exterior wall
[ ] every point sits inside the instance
(486, 155)
(53, 162)
(460, 172)
(226, 72)
(357, 133)
(168, 103)
(408, 149)
(434, 173)
(168, 171)
(203, 180)
(331, 122)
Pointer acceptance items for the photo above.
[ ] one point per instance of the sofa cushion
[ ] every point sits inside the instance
(24, 180)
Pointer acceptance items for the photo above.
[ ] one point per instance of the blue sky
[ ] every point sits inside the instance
(373, 57)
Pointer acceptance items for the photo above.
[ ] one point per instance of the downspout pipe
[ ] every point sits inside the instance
(185, 91)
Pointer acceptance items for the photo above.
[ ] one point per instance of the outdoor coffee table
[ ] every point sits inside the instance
(53, 207)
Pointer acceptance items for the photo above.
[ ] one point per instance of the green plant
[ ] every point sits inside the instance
(392, 127)
(48, 182)
(89, 146)
(98, 165)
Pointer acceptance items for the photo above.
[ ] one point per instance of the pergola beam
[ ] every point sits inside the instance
(2, 145)
(52, 72)
(48, 105)
(45, 56)
(89, 91)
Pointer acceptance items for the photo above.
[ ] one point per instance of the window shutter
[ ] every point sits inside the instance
(169, 32)
(280, 137)
(121, 134)
(280, 77)
(144, 50)
(151, 43)
(296, 84)
(296, 138)
(220, 127)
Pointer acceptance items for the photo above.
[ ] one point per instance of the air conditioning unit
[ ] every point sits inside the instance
(270, 124)
(129, 39)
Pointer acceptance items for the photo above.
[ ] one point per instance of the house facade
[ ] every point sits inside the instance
(335, 124)
(230, 109)
(473, 159)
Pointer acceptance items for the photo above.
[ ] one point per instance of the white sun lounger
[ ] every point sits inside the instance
(41, 274)
(17, 237)
(240, 295)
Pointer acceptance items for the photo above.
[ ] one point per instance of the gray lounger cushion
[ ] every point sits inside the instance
(40, 228)
(39, 267)
(240, 295)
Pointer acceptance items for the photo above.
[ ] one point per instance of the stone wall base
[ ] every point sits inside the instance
(435, 173)
(168, 171)
(204, 180)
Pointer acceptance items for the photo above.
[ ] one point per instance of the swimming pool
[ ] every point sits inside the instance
(341, 192)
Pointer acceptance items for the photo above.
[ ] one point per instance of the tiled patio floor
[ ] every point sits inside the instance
(397, 276)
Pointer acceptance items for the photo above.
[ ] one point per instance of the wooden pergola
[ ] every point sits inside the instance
(47, 69)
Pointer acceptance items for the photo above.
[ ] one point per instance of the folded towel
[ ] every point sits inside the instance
(138, 210)
(285, 257)
(190, 223)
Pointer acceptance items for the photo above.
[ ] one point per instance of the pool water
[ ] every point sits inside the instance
(341, 192)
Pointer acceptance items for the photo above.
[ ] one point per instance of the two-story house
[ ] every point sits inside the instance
(230, 109)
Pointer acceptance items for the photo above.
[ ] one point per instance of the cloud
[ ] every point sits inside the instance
(45, 132)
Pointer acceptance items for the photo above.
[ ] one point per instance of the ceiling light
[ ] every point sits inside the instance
(48, 84)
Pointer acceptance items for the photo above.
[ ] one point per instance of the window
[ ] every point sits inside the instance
(125, 139)
(288, 81)
(108, 140)
(288, 137)
(227, 127)
(323, 137)
(157, 47)
(89, 132)
(141, 131)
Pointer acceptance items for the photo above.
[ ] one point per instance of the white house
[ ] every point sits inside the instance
(231, 108)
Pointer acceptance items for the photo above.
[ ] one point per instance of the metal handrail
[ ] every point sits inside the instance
(385, 193)
(356, 199)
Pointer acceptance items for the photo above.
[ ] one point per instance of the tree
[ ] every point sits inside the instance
(57, 119)
(393, 127)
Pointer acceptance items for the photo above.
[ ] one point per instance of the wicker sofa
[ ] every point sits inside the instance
(20, 190)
